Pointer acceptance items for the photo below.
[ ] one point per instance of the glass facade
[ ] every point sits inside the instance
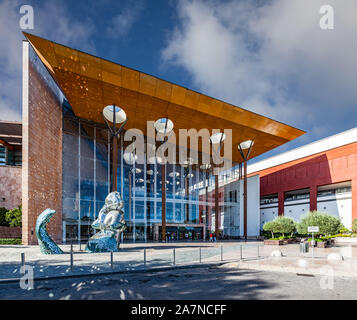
(87, 181)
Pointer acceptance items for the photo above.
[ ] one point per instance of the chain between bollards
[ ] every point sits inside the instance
(22, 258)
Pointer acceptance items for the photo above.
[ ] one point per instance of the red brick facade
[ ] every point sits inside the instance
(10, 232)
(332, 166)
(42, 159)
(10, 187)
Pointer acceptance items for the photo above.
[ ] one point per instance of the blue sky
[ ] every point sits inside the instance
(270, 57)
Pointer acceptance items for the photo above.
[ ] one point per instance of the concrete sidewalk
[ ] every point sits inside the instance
(130, 258)
(300, 266)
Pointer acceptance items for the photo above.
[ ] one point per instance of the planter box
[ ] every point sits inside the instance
(274, 242)
(321, 244)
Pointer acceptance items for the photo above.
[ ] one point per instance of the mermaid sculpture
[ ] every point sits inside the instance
(47, 245)
(110, 223)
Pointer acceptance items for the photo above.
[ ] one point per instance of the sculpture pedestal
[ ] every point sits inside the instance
(103, 241)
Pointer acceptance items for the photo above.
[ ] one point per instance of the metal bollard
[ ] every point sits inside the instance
(258, 250)
(221, 253)
(174, 253)
(71, 258)
(111, 260)
(144, 257)
(22, 258)
(241, 253)
(200, 255)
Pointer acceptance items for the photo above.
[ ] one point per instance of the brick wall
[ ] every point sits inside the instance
(42, 158)
(10, 187)
(10, 232)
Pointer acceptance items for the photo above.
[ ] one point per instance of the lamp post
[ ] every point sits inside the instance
(163, 126)
(115, 115)
(217, 138)
(245, 149)
(206, 168)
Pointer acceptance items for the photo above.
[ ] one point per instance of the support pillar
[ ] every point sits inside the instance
(216, 206)
(163, 204)
(313, 198)
(245, 200)
(281, 200)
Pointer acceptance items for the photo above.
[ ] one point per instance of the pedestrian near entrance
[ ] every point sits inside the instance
(210, 237)
(214, 238)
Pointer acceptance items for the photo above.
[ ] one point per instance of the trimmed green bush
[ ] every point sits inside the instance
(327, 224)
(10, 241)
(3, 221)
(282, 225)
(14, 217)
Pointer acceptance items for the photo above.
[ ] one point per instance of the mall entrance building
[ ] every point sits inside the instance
(67, 151)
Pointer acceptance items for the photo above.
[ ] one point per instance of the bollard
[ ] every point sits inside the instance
(111, 260)
(241, 253)
(22, 258)
(80, 245)
(71, 258)
(221, 253)
(174, 252)
(258, 251)
(144, 257)
(200, 255)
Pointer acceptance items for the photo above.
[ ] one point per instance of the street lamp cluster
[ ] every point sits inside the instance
(114, 115)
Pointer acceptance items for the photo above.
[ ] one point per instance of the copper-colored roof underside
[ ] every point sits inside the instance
(90, 83)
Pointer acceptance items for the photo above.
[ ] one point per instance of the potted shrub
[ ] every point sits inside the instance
(327, 224)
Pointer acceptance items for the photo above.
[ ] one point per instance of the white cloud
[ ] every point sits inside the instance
(52, 21)
(273, 59)
(123, 22)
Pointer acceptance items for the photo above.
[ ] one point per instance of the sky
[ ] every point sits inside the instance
(270, 57)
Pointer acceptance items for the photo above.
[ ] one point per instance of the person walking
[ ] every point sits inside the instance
(210, 237)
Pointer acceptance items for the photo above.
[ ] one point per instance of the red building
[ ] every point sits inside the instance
(316, 173)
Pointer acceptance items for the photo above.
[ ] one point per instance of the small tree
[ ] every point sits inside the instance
(281, 225)
(270, 227)
(327, 224)
(14, 217)
(284, 225)
(3, 221)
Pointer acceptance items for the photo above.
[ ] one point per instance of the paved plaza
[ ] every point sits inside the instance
(214, 283)
(134, 257)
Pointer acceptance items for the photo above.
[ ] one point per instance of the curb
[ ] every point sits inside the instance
(148, 270)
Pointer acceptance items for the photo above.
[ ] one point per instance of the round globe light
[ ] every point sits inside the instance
(164, 125)
(120, 115)
(129, 157)
(246, 144)
(217, 137)
(173, 174)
